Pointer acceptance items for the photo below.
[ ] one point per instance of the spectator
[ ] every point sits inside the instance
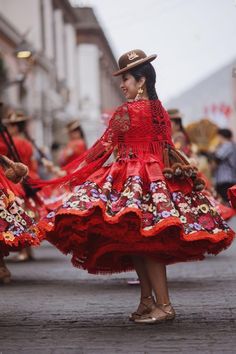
(225, 160)
(76, 144)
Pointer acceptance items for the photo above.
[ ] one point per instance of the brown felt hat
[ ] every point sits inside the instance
(174, 113)
(71, 126)
(132, 59)
(15, 117)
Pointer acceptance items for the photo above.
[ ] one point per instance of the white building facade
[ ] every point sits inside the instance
(65, 80)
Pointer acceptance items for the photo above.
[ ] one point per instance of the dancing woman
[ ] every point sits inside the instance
(145, 210)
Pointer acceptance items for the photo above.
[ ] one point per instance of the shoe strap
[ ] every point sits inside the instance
(147, 299)
(163, 307)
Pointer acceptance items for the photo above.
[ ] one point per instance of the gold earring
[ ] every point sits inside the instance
(140, 91)
(139, 94)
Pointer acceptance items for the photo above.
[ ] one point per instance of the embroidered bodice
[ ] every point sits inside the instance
(139, 129)
(136, 129)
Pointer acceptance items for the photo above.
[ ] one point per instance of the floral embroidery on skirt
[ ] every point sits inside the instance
(17, 228)
(102, 227)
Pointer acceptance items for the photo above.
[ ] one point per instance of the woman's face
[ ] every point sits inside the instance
(74, 135)
(13, 129)
(174, 126)
(129, 86)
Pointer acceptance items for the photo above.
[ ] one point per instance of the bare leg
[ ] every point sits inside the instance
(5, 275)
(147, 302)
(2, 263)
(163, 309)
(145, 285)
(157, 276)
(26, 254)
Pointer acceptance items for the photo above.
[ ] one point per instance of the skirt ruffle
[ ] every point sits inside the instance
(115, 215)
(17, 229)
(232, 196)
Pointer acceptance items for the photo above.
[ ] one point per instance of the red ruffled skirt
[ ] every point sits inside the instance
(17, 229)
(226, 212)
(127, 209)
(232, 196)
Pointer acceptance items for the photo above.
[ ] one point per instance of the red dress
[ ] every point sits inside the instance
(17, 189)
(32, 202)
(52, 197)
(182, 143)
(26, 153)
(17, 229)
(232, 196)
(128, 207)
(72, 150)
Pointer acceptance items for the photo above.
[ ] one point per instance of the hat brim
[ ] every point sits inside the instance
(136, 63)
(8, 121)
(73, 127)
(177, 116)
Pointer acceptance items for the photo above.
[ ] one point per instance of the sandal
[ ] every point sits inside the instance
(147, 304)
(162, 312)
(25, 255)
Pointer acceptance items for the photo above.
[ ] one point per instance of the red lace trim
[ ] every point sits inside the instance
(19, 242)
(124, 128)
(106, 251)
(160, 227)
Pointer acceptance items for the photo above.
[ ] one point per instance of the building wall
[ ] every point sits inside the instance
(60, 45)
(89, 90)
(25, 16)
(110, 93)
(10, 94)
(71, 69)
(70, 79)
(48, 29)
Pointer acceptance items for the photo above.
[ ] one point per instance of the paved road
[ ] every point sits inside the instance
(51, 307)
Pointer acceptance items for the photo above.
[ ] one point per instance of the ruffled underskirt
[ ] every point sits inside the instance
(17, 228)
(128, 209)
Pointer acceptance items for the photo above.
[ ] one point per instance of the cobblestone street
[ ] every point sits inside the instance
(51, 307)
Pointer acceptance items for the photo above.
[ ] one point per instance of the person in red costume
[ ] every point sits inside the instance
(76, 145)
(17, 229)
(143, 211)
(232, 196)
(16, 126)
(179, 136)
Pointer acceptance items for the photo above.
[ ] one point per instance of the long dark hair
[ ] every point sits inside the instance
(179, 122)
(80, 130)
(20, 125)
(147, 71)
